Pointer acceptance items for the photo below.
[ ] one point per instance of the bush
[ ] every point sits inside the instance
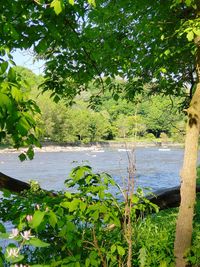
(86, 226)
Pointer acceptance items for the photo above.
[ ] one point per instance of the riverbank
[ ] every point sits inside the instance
(95, 146)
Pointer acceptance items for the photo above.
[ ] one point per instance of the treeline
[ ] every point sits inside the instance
(145, 118)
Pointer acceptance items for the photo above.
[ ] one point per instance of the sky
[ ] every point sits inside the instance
(25, 59)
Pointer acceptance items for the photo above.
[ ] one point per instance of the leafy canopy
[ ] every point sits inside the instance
(139, 41)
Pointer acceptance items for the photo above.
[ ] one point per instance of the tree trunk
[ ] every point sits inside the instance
(188, 182)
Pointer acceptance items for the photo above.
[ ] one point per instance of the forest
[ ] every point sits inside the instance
(147, 118)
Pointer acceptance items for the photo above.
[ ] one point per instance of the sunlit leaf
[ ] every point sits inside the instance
(190, 36)
(196, 31)
(5, 101)
(92, 2)
(120, 250)
(58, 6)
(37, 218)
(71, 2)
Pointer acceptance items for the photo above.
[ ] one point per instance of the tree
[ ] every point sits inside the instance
(160, 114)
(18, 113)
(142, 41)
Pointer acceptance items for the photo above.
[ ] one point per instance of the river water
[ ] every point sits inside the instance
(155, 168)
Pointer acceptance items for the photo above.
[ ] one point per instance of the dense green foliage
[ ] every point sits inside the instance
(86, 42)
(89, 226)
(18, 112)
(110, 119)
(143, 42)
(85, 226)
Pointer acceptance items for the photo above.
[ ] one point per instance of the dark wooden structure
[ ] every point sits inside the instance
(165, 199)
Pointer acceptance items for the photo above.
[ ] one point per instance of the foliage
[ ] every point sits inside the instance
(110, 119)
(80, 227)
(17, 112)
(80, 42)
(84, 226)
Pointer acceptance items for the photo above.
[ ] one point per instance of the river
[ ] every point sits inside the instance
(155, 168)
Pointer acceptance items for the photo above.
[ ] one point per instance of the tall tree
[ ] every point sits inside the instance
(141, 41)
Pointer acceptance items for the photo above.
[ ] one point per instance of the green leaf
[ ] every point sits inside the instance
(142, 257)
(30, 153)
(58, 6)
(5, 102)
(163, 264)
(56, 99)
(37, 218)
(37, 243)
(190, 36)
(87, 262)
(72, 206)
(4, 235)
(4, 67)
(167, 52)
(16, 94)
(120, 250)
(71, 2)
(92, 2)
(196, 31)
(23, 126)
(52, 219)
(11, 75)
(15, 259)
(22, 157)
(162, 37)
(83, 206)
(6, 193)
(116, 97)
(188, 2)
(113, 248)
(163, 70)
(68, 195)
(2, 228)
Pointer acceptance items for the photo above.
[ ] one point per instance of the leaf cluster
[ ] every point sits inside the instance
(83, 226)
(17, 112)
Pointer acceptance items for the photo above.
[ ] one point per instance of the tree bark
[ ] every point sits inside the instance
(188, 182)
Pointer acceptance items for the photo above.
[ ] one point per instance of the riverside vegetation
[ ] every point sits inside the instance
(152, 44)
(150, 117)
(89, 226)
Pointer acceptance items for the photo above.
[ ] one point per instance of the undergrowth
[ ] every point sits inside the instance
(89, 226)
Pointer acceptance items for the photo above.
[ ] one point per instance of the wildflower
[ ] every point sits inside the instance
(21, 265)
(27, 235)
(14, 234)
(29, 218)
(37, 206)
(13, 252)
